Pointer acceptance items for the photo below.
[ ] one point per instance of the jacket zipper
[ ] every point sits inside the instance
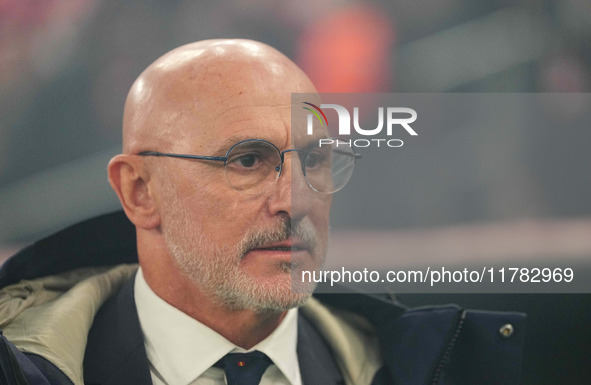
(449, 348)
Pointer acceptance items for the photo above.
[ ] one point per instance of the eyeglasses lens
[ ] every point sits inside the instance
(328, 168)
(252, 167)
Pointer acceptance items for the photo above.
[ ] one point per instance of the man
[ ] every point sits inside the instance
(225, 206)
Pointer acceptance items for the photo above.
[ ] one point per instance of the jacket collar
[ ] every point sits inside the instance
(317, 363)
(102, 241)
(115, 353)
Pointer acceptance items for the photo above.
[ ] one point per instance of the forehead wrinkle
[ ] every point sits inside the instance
(241, 118)
(232, 110)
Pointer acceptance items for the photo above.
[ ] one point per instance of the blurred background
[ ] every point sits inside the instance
(66, 67)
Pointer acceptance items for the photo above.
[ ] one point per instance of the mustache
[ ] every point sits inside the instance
(303, 231)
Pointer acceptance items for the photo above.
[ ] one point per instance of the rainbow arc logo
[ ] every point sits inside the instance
(314, 111)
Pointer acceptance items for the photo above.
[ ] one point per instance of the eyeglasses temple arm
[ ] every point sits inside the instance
(184, 156)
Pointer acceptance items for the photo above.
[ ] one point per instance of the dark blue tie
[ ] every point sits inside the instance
(244, 368)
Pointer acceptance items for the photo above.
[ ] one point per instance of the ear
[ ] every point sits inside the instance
(129, 178)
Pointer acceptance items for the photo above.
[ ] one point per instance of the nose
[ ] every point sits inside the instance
(291, 194)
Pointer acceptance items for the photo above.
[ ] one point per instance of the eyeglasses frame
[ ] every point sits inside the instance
(224, 159)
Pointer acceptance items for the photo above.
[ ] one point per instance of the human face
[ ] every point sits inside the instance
(237, 248)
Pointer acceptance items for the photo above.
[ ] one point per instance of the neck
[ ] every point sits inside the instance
(244, 328)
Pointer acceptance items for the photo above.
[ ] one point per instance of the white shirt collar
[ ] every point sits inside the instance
(281, 347)
(181, 348)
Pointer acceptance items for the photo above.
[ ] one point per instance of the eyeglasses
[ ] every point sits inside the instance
(254, 165)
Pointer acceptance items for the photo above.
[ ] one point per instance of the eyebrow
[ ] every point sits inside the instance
(311, 142)
(223, 148)
(229, 142)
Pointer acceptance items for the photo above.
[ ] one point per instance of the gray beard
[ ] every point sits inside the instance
(216, 269)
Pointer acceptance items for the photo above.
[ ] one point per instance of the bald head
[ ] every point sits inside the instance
(186, 89)
(206, 99)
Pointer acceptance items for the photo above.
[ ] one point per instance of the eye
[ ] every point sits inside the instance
(315, 159)
(253, 158)
(247, 160)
